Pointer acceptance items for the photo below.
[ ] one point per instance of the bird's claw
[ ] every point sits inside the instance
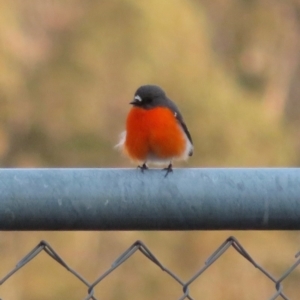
(143, 167)
(169, 169)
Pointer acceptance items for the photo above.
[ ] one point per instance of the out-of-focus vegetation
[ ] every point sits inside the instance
(67, 72)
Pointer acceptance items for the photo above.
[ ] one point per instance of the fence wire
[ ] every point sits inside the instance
(140, 246)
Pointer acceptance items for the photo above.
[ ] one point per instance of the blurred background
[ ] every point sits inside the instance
(68, 70)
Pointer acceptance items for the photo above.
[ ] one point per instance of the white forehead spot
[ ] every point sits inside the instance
(175, 114)
(138, 98)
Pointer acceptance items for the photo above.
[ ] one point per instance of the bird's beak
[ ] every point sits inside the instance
(137, 99)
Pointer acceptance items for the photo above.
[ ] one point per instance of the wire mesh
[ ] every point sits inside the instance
(142, 248)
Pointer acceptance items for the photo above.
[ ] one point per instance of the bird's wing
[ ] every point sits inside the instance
(172, 106)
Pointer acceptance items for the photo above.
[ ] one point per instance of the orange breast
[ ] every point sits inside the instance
(153, 133)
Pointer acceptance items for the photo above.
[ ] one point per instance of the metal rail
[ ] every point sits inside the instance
(127, 199)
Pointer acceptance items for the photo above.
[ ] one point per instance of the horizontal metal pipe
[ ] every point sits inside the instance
(127, 199)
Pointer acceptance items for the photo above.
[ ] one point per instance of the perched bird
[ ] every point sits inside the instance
(155, 130)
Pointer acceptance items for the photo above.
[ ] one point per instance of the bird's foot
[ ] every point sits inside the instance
(168, 169)
(143, 167)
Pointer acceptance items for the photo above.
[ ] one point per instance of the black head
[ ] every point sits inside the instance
(149, 96)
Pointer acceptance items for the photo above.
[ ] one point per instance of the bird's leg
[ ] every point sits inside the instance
(168, 169)
(143, 167)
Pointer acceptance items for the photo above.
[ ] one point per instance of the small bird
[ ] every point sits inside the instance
(155, 130)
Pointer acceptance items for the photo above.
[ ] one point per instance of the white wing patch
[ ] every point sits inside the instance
(122, 140)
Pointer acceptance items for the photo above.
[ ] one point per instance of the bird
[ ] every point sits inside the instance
(155, 130)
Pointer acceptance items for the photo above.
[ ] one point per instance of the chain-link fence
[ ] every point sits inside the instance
(124, 199)
(140, 246)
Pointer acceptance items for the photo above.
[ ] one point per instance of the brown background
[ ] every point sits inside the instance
(68, 70)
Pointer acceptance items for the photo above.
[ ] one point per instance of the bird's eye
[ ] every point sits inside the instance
(148, 100)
